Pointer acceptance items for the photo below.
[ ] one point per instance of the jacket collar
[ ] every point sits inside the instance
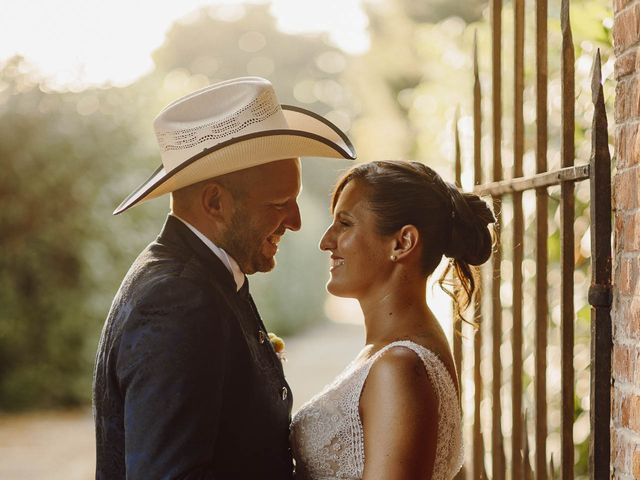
(176, 233)
(224, 257)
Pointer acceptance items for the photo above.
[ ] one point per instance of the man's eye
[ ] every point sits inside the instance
(344, 223)
(280, 206)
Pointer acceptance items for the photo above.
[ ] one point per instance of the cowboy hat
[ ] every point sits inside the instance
(230, 126)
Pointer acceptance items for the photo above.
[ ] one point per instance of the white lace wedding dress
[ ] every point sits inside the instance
(327, 436)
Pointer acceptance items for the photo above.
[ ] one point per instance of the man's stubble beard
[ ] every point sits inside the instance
(243, 243)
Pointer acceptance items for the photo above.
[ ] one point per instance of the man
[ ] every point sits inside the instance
(186, 383)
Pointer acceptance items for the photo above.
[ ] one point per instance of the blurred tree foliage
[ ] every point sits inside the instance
(69, 158)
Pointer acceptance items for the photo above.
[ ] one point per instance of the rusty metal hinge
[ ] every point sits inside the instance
(600, 295)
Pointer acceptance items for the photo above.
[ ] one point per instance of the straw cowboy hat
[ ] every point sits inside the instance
(231, 126)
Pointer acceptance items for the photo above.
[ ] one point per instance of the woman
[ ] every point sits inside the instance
(394, 412)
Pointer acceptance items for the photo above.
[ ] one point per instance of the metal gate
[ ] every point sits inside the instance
(598, 172)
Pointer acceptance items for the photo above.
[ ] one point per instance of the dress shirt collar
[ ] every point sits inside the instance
(224, 257)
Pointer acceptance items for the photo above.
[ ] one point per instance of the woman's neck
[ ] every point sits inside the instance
(396, 310)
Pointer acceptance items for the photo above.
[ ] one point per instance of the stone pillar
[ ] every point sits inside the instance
(625, 415)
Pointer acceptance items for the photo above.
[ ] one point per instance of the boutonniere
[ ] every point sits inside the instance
(278, 346)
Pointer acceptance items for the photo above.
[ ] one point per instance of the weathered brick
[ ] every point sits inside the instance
(622, 363)
(626, 29)
(625, 189)
(628, 275)
(621, 453)
(633, 326)
(627, 145)
(627, 328)
(617, 411)
(619, 112)
(634, 95)
(627, 105)
(632, 233)
(626, 63)
(618, 311)
(635, 468)
(625, 407)
(618, 229)
(630, 408)
(634, 148)
(622, 277)
(619, 5)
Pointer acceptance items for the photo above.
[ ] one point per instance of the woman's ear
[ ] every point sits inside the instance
(405, 241)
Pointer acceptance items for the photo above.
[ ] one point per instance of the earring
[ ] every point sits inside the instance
(393, 258)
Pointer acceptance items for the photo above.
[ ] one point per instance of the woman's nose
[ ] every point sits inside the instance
(327, 242)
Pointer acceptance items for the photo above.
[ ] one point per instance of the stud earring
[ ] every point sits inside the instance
(393, 258)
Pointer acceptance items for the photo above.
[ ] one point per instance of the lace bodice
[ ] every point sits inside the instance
(327, 435)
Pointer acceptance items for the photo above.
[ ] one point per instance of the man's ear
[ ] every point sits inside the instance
(216, 202)
(405, 241)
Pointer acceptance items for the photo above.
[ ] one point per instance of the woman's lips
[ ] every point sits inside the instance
(335, 262)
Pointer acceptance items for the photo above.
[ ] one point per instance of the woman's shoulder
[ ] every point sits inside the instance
(398, 358)
(414, 357)
(398, 385)
(398, 369)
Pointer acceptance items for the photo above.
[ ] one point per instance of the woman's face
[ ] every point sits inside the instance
(359, 254)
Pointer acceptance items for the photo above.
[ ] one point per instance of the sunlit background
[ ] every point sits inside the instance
(82, 43)
(81, 81)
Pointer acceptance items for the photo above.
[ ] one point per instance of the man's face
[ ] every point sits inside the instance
(262, 214)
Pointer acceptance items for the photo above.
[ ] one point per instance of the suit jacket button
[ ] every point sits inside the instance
(284, 393)
(261, 336)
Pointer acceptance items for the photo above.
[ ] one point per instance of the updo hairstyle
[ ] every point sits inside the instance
(451, 223)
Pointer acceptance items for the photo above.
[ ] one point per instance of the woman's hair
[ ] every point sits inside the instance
(451, 223)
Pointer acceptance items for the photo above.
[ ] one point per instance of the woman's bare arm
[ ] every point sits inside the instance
(399, 411)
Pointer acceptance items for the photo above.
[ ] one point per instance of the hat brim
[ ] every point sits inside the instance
(308, 135)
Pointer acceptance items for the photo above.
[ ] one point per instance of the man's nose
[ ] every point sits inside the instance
(293, 221)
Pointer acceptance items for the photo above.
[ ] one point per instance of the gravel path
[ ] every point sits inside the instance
(61, 446)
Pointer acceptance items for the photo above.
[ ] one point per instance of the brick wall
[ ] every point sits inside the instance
(625, 435)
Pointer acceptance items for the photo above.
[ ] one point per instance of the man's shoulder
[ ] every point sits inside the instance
(163, 276)
(160, 263)
(167, 287)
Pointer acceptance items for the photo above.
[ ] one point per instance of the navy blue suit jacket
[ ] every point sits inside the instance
(185, 384)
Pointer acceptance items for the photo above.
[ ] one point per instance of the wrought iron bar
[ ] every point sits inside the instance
(542, 180)
(478, 441)
(600, 289)
(457, 322)
(567, 254)
(598, 171)
(528, 471)
(497, 447)
(541, 330)
(457, 152)
(517, 467)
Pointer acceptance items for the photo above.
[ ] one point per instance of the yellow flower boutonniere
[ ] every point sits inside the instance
(278, 346)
